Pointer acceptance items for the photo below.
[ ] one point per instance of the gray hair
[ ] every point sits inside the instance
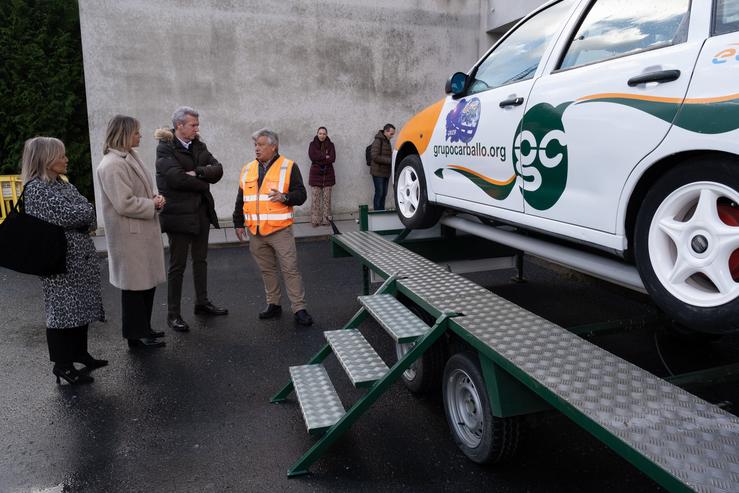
(38, 154)
(272, 137)
(180, 113)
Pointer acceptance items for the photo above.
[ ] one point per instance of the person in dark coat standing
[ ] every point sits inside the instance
(72, 299)
(185, 169)
(382, 155)
(322, 155)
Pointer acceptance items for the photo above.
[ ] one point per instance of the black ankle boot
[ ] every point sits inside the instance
(71, 375)
(91, 363)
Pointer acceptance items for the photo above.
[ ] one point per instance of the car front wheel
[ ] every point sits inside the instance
(686, 244)
(411, 200)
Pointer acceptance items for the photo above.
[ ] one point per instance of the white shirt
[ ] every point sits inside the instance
(186, 144)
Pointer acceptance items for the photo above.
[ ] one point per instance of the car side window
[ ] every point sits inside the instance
(517, 56)
(616, 28)
(726, 17)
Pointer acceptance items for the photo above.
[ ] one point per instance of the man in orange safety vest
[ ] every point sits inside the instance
(269, 187)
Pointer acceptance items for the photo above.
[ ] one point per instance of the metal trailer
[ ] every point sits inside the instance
(505, 363)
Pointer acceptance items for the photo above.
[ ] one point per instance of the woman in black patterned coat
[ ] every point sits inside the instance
(73, 299)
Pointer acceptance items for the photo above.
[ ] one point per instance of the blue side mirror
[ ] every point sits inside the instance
(456, 84)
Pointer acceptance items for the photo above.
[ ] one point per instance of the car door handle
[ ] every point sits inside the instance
(660, 76)
(511, 102)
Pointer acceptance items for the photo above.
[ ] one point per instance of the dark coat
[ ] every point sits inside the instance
(382, 155)
(188, 197)
(322, 156)
(74, 298)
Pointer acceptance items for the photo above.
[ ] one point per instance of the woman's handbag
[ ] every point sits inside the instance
(31, 245)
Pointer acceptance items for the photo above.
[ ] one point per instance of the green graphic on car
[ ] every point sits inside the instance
(704, 116)
(540, 155)
(540, 162)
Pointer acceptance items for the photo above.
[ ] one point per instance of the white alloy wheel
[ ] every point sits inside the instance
(408, 192)
(691, 249)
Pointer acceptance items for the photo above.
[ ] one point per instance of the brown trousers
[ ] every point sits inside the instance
(267, 252)
(320, 205)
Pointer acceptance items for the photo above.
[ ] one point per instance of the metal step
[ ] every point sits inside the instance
(361, 363)
(401, 323)
(318, 399)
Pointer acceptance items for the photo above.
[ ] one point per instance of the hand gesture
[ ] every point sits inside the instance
(277, 196)
(241, 234)
(159, 202)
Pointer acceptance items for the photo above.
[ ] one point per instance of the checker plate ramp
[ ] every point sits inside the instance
(319, 402)
(397, 320)
(693, 441)
(360, 361)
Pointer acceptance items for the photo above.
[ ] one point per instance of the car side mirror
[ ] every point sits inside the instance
(456, 84)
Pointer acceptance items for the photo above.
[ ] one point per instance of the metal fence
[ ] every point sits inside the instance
(10, 190)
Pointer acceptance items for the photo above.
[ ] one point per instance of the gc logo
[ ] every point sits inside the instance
(540, 155)
(528, 153)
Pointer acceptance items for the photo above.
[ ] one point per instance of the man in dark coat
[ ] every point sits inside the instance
(382, 156)
(185, 170)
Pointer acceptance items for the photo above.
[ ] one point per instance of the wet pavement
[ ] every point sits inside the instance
(195, 416)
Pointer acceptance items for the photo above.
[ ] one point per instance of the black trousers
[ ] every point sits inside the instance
(179, 244)
(67, 345)
(136, 308)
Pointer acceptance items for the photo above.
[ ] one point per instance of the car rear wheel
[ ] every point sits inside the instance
(686, 244)
(411, 201)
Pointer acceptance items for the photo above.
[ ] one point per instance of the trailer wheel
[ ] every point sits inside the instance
(482, 437)
(424, 375)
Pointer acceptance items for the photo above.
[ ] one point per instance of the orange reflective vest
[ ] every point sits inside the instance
(261, 215)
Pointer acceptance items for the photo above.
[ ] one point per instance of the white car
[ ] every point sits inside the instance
(610, 123)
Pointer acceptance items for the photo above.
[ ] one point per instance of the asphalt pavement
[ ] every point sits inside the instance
(195, 416)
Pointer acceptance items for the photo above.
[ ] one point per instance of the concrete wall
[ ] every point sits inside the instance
(501, 14)
(351, 65)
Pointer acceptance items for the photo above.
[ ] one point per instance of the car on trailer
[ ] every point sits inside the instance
(611, 124)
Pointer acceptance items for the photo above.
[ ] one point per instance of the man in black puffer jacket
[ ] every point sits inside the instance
(185, 170)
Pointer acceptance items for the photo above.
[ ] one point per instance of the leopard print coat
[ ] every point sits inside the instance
(74, 298)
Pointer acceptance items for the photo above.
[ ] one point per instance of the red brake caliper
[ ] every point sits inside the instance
(730, 216)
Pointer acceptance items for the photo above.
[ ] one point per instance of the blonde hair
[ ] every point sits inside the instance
(38, 154)
(120, 132)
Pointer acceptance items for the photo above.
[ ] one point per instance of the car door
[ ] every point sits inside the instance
(615, 86)
(469, 159)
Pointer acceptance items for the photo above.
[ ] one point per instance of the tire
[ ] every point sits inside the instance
(425, 374)
(686, 244)
(411, 201)
(482, 437)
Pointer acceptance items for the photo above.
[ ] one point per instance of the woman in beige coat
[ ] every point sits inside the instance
(135, 251)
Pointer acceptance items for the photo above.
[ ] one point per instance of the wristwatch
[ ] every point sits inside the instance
(284, 198)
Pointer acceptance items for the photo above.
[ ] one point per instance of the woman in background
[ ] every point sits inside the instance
(322, 155)
(73, 299)
(135, 251)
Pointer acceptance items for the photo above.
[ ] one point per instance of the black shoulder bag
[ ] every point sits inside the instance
(31, 245)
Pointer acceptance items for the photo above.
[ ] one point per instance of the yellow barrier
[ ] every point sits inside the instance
(10, 190)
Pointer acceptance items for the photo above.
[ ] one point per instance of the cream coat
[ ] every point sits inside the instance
(135, 249)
